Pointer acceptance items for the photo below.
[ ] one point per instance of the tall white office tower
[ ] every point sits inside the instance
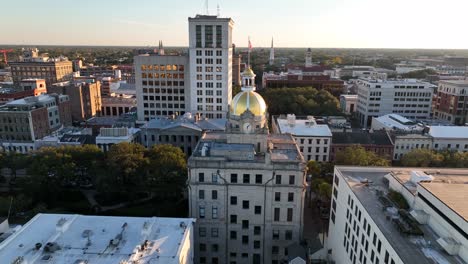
(272, 54)
(210, 60)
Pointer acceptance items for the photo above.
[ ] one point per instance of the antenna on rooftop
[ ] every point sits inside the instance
(218, 11)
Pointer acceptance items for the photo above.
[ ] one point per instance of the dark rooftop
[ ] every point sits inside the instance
(361, 138)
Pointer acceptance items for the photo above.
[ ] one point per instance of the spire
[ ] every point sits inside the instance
(272, 53)
(161, 48)
(308, 58)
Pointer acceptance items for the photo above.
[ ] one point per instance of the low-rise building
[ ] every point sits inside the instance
(378, 142)
(118, 105)
(25, 120)
(406, 142)
(453, 138)
(348, 103)
(313, 139)
(78, 239)
(183, 132)
(397, 123)
(85, 97)
(410, 98)
(368, 225)
(115, 135)
(451, 101)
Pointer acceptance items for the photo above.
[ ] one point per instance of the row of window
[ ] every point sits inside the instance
(163, 90)
(162, 83)
(209, 61)
(162, 67)
(208, 85)
(246, 179)
(317, 141)
(209, 52)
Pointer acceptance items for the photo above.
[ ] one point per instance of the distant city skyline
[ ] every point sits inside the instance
(294, 23)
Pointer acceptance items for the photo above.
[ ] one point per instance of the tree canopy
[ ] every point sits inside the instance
(300, 101)
(433, 158)
(358, 156)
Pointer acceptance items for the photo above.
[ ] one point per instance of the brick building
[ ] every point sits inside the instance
(451, 101)
(25, 120)
(378, 142)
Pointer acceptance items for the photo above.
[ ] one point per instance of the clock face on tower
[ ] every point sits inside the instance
(247, 128)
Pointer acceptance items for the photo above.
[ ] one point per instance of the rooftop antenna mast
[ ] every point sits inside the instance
(218, 11)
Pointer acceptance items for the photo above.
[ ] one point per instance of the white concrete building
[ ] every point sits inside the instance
(408, 97)
(348, 103)
(454, 138)
(367, 227)
(161, 85)
(210, 62)
(109, 136)
(246, 187)
(80, 239)
(404, 143)
(395, 122)
(314, 140)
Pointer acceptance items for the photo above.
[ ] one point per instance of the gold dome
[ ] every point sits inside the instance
(248, 100)
(248, 72)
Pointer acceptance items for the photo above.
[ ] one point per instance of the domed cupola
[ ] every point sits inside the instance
(248, 99)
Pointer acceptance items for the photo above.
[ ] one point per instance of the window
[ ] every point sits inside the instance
(291, 179)
(245, 204)
(278, 179)
(214, 232)
(214, 212)
(256, 244)
(233, 235)
(290, 197)
(214, 178)
(202, 231)
(245, 240)
(246, 178)
(202, 247)
(258, 209)
(289, 215)
(257, 230)
(233, 219)
(214, 194)
(258, 179)
(233, 178)
(201, 177)
(233, 200)
(214, 260)
(201, 211)
(288, 235)
(274, 250)
(202, 260)
(201, 194)
(276, 216)
(245, 224)
(277, 196)
(214, 248)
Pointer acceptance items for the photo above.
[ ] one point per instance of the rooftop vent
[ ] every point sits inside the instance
(450, 245)
(291, 119)
(419, 176)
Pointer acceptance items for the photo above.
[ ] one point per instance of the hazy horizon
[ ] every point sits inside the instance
(339, 24)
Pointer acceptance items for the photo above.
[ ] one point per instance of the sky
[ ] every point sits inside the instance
(292, 23)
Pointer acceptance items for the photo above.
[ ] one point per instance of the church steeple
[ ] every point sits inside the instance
(161, 48)
(272, 53)
(308, 58)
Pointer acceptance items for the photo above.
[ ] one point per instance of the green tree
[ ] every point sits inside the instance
(313, 168)
(358, 156)
(167, 169)
(127, 164)
(421, 158)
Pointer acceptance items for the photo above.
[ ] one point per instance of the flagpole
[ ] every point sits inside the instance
(248, 58)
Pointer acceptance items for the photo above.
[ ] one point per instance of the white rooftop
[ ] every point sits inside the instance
(394, 121)
(303, 127)
(98, 240)
(448, 131)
